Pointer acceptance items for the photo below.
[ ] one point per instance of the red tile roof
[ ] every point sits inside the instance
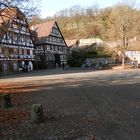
(41, 31)
(7, 15)
(71, 43)
(44, 29)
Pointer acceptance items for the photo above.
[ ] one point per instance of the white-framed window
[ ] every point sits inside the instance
(48, 47)
(31, 52)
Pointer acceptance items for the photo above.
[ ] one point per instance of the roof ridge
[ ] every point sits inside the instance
(43, 29)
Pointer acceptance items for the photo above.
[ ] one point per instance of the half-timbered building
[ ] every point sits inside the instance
(51, 48)
(16, 46)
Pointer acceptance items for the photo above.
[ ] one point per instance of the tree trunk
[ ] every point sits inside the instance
(123, 61)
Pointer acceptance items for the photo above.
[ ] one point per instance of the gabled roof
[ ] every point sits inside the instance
(6, 16)
(71, 43)
(43, 29)
(40, 32)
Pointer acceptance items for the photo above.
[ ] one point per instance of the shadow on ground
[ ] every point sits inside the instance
(107, 106)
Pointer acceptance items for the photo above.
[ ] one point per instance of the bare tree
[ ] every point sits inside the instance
(124, 26)
(28, 7)
(77, 13)
(62, 17)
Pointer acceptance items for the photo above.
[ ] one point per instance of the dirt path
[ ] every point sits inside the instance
(102, 103)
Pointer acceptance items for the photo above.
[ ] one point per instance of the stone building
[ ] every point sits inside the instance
(16, 46)
(51, 48)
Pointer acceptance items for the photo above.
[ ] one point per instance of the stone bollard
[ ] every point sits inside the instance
(37, 115)
(7, 101)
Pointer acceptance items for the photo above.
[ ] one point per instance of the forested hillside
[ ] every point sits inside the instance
(78, 22)
(108, 24)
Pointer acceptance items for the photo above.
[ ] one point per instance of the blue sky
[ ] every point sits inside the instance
(50, 7)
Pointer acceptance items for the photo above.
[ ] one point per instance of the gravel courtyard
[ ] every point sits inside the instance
(77, 104)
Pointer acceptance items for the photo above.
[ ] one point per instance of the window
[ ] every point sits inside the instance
(20, 51)
(48, 39)
(15, 39)
(54, 39)
(15, 66)
(25, 51)
(56, 48)
(15, 26)
(4, 36)
(41, 48)
(15, 51)
(48, 47)
(28, 52)
(51, 39)
(50, 58)
(53, 48)
(5, 67)
(31, 52)
(22, 39)
(11, 50)
(24, 29)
